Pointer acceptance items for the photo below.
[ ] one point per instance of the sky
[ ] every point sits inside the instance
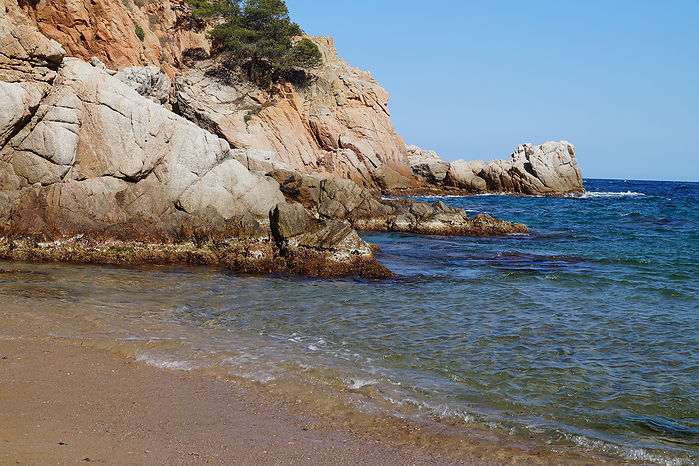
(473, 79)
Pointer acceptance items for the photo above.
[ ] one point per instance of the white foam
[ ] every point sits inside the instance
(317, 345)
(440, 411)
(240, 359)
(261, 377)
(357, 383)
(431, 196)
(595, 194)
(165, 363)
(629, 453)
(445, 412)
(239, 366)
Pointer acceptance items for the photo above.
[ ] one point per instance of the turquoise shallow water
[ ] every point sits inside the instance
(584, 334)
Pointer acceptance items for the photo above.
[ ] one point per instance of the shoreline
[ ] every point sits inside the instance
(128, 411)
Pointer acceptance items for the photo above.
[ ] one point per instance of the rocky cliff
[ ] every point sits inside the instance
(93, 168)
(337, 123)
(108, 30)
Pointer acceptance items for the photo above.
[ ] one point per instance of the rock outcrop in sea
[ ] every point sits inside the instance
(94, 167)
(342, 199)
(548, 169)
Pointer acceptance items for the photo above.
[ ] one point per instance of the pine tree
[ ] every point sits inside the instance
(259, 34)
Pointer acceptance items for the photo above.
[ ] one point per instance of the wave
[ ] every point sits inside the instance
(165, 363)
(629, 453)
(596, 194)
(356, 383)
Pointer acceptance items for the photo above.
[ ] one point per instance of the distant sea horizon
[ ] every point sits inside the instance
(592, 178)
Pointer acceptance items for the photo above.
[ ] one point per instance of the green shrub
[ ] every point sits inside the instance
(140, 33)
(305, 54)
(247, 117)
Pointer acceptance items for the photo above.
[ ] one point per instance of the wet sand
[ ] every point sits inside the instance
(66, 404)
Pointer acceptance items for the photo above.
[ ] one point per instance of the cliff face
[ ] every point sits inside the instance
(99, 171)
(84, 151)
(106, 29)
(338, 123)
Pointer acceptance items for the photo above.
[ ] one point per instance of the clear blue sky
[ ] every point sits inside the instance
(472, 79)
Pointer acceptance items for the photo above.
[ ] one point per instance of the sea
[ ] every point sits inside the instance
(581, 336)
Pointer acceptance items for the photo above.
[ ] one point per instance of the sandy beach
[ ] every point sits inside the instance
(65, 404)
(62, 403)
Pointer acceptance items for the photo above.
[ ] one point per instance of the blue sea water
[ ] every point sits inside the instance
(583, 334)
(589, 326)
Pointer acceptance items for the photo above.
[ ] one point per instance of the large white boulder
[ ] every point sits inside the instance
(95, 141)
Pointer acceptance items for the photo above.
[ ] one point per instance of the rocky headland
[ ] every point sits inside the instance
(123, 147)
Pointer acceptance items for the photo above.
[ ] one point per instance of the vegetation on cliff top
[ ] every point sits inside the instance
(259, 35)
